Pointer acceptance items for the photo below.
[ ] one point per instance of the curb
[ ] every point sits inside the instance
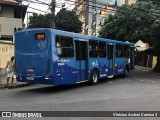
(143, 68)
(2, 86)
(16, 84)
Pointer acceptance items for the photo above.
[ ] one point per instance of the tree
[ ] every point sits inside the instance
(153, 1)
(68, 21)
(65, 20)
(139, 21)
(39, 21)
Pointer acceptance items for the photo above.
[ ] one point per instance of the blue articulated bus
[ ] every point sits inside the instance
(50, 56)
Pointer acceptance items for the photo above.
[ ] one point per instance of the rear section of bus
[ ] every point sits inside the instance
(33, 56)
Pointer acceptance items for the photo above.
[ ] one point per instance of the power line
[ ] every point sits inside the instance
(38, 2)
(38, 9)
(48, 4)
(44, 3)
(52, 5)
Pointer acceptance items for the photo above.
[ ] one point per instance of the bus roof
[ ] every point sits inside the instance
(77, 35)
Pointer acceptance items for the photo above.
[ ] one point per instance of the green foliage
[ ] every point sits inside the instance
(149, 51)
(39, 21)
(131, 23)
(65, 20)
(139, 21)
(68, 21)
(153, 1)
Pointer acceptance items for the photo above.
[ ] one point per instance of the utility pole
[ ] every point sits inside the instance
(52, 21)
(126, 2)
(86, 17)
(94, 17)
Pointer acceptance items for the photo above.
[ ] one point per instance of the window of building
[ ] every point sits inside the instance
(64, 46)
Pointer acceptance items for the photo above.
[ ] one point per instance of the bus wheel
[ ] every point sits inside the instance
(124, 75)
(94, 77)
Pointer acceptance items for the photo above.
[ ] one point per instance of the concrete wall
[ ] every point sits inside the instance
(154, 61)
(6, 52)
(8, 25)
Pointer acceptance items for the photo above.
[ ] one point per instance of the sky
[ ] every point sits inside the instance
(44, 9)
(59, 4)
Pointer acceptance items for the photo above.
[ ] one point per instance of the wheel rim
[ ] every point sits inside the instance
(95, 77)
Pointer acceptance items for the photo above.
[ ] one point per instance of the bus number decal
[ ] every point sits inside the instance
(60, 64)
(30, 78)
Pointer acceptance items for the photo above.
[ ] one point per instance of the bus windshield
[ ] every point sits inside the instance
(31, 42)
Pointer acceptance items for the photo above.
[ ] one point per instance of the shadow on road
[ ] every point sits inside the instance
(53, 89)
(63, 88)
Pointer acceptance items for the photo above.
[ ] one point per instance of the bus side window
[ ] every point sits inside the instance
(119, 50)
(64, 46)
(59, 50)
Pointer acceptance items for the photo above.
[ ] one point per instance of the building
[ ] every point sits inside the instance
(80, 9)
(141, 46)
(129, 2)
(90, 14)
(12, 14)
(94, 12)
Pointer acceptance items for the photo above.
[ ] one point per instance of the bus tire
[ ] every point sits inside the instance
(94, 77)
(124, 75)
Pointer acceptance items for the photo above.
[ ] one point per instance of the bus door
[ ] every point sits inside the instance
(81, 60)
(132, 58)
(111, 59)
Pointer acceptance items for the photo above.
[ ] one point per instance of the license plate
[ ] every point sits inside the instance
(30, 78)
(30, 70)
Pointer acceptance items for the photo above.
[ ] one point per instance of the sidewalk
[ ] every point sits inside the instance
(3, 82)
(143, 68)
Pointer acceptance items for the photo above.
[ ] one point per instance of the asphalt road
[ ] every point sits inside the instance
(139, 91)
